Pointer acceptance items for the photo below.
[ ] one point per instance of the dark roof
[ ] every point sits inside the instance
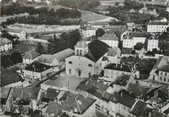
(165, 68)
(72, 101)
(9, 77)
(37, 67)
(138, 108)
(51, 94)
(119, 67)
(126, 99)
(122, 80)
(139, 34)
(97, 49)
(158, 23)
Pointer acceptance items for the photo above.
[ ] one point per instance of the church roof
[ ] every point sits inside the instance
(97, 49)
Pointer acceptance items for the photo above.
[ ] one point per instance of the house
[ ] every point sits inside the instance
(122, 82)
(152, 43)
(110, 39)
(65, 82)
(87, 59)
(37, 71)
(18, 32)
(130, 25)
(72, 105)
(10, 78)
(114, 70)
(39, 38)
(87, 31)
(5, 44)
(57, 60)
(156, 74)
(157, 27)
(30, 56)
(131, 39)
(113, 55)
(164, 73)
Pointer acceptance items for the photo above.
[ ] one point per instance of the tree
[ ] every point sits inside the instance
(139, 46)
(133, 52)
(40, 48)
(16, 57)
(100, 32)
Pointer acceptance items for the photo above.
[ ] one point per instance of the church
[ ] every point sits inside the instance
(87, 59)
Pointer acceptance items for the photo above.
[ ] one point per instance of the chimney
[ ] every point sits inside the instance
(116, 65)
(121, 94)
(121, 66)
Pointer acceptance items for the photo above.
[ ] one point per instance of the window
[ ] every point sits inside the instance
(80, 52)
(164, 79)
(161, 73)
(165, 74)
(77, 52)
(90, 65)
(153, 77)
(89, 74)
(70, 62)
(69, 71)
(160, 78)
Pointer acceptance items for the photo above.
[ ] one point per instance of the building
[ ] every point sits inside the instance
(37, 71)
(30, 56)
(152, 43)
(130, 25)
(110, 39)
(74, 105)
(10, 78)
(6, 44)
(131, 39)
(113, 70)
(157, 27)
(57, 60)
(87, 59)
(164, 73)
(156, 74)
(18, 32)
(87, 31)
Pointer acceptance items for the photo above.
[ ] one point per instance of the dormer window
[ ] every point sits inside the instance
(70, 62)
(90, 65)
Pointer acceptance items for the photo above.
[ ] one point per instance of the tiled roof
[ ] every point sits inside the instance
(126, 99)
(119, 67)
(78, 103)
(14, 30)
(9, 77)
(29, 92)
(109, 36)
(165, 68)
(51, 94)
(37, 67)
(4, 41)
(122, 80)
(138, 108)
(112, 52)
(139, 34)
(60, 56)
(97, 49)
(158, 23)
(31, 54)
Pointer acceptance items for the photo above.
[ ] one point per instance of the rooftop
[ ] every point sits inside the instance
(78, 103)
(109, 36)
(60, 56)
(97, 49)
(122, 80)
(139, 34)
(138, 108)
(14, 30)
(9, 77)
(112, 51)
(158, 23)
(31, 54)
(37, 67)
(70, 82)
(165, 68)
(5, 41)
(119, 67)
(51, 94)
